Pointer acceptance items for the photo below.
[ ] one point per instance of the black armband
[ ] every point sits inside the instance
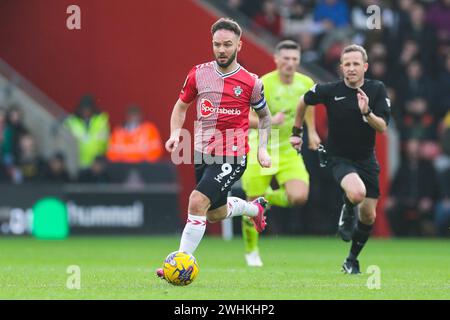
(297, 132)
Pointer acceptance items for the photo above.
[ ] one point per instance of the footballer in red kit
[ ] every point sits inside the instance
(223, 101)
(224, 92)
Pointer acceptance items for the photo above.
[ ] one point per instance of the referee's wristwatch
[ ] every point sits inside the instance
(369, 111)
(298, 132)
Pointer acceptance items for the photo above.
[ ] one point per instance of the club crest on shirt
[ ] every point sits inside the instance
(237, 91)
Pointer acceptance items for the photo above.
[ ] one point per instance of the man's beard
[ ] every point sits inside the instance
(228, 62)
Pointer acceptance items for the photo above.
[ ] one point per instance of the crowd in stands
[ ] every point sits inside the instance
(409, 50)
(135, 141)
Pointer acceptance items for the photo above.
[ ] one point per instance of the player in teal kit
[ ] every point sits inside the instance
(282, 88)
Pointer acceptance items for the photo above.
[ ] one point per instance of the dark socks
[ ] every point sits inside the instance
(360, 236)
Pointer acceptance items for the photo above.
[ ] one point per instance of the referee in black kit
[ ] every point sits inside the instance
(357, 108)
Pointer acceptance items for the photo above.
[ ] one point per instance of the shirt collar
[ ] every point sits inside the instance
(224, 75)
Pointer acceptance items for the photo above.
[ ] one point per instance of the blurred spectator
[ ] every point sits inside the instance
(378, 51)
(442, 218)
(409, 52)
(332, 14)
(423, 34)
(401, 22)
(298, 10)
(439, 17)
(235, 4)
(308, 52)
(17, 127)
(56, 170)
(135, 141)
(404, 8)
(443, 89)
(97, 173)
(417, 123)
(248, 7)
(379, 63)
(91, 129)
(378, 70)
(446, 135)
(6, 140)
(269, 17)
(332, 55)
(415, 84)
(442, 165)
(334, 18)
(28, 166)
(413, 193)
(4, 176)
(298, 18)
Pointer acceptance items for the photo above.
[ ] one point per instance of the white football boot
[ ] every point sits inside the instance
(253, 259)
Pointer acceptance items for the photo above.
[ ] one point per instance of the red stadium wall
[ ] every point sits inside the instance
(126, 52)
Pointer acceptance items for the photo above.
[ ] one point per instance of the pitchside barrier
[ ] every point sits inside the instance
(133, 206)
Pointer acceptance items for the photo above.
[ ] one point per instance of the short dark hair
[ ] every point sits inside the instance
(86, 102)
(227, 24)
(287, 44)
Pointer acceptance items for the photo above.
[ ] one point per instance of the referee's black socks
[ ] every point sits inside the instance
(359, 238)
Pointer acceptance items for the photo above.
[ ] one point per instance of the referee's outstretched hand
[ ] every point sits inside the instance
(363, 101)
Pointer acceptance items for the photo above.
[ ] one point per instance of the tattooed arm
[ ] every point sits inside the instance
(264, 125)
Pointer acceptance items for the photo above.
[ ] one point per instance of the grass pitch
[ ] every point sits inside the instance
(294, 268)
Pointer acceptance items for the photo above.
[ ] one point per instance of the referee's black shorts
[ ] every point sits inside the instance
(367, 169)
(216, 174)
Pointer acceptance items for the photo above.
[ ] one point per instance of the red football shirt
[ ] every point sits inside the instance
(223, 104)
